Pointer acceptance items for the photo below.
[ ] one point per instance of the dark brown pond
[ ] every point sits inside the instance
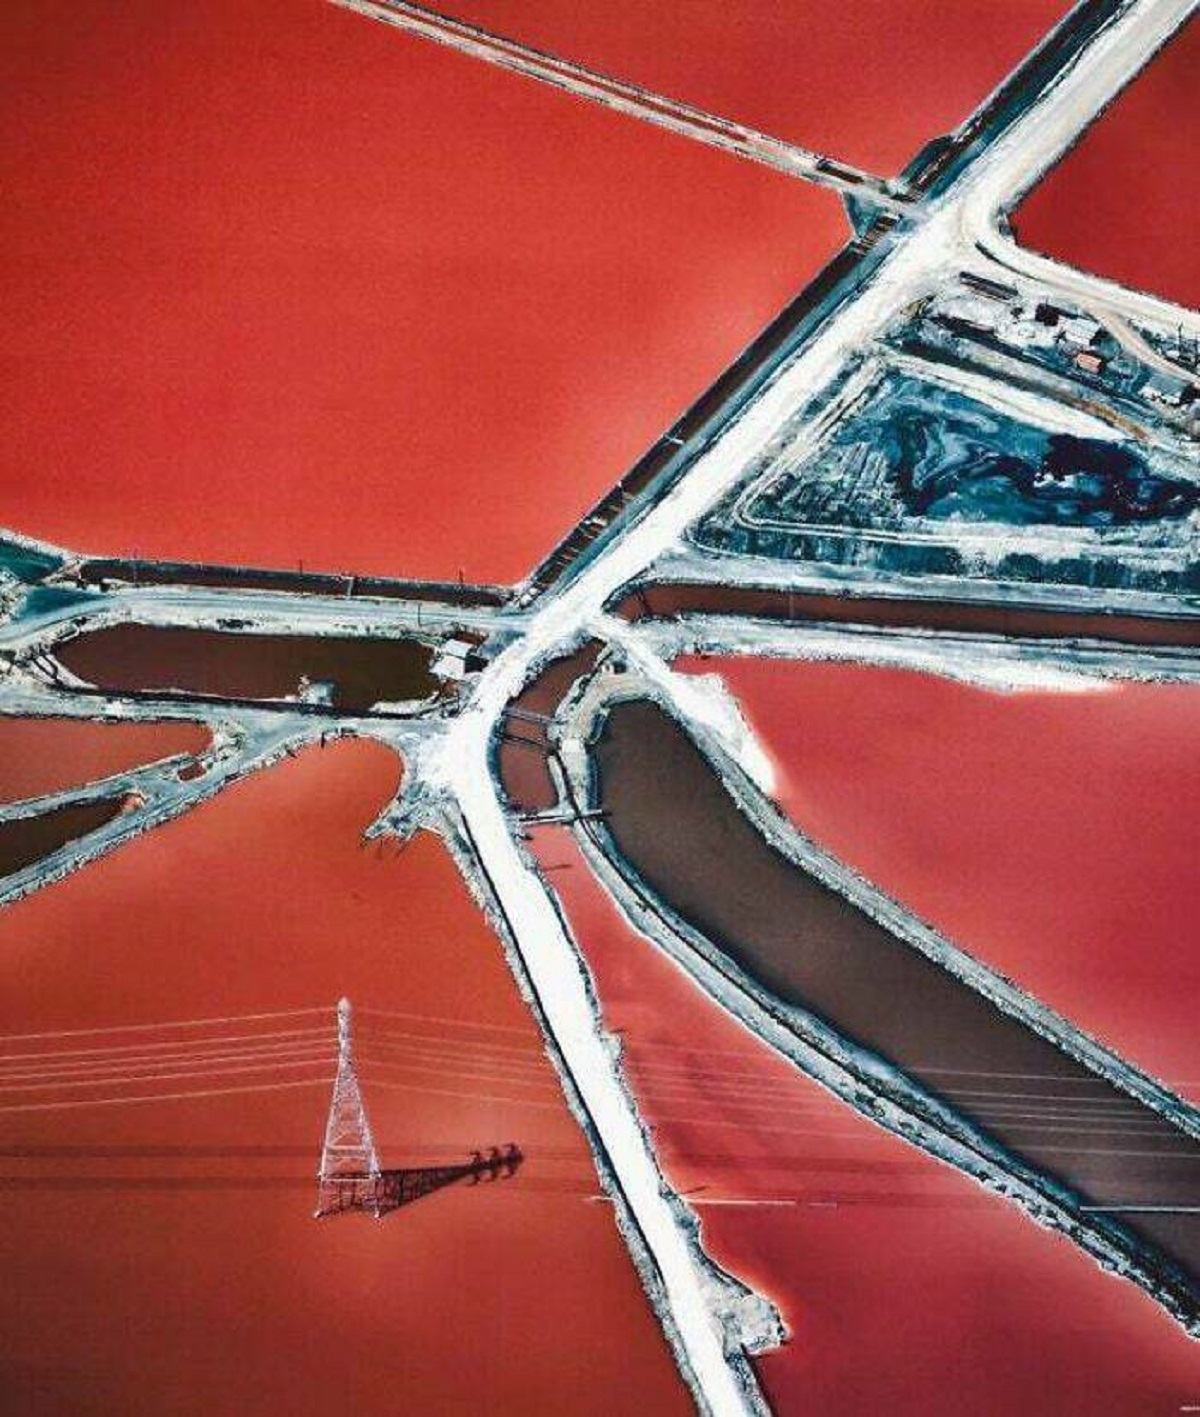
(29, 839)
(681, 598)
(150, 659)
(676, 826)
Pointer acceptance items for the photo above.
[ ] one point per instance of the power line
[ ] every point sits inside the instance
(439, 1018)
(470, 1096)
(106, 1080)
(106, 1065)
(172, 1023)
(152, 1047)
(164, 1096)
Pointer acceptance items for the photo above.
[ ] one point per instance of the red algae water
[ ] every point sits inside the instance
(905, 1287)
(167, 1257)
(1122, 203)
(261, 266)
(41, 755)
(1044, 833)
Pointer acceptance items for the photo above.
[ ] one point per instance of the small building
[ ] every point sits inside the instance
(1090, 362)
(317, 691)
(458, 658)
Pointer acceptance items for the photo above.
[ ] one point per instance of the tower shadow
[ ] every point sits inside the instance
(381, 1192)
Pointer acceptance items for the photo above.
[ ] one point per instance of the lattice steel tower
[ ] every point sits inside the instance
(348, 1178)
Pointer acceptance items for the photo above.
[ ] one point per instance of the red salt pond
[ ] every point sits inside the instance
(161, 1255)
(907, 1288)
(1046, 834)
(302, 288)
(1122, 203)
(864, 82)
(40, 755)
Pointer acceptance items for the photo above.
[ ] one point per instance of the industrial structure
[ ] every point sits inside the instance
(350, 1177)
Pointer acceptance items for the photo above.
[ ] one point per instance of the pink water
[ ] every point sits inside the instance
(208, 1289)
(39, 755)
(1046, 833)
(283, 285)
(1121, 203)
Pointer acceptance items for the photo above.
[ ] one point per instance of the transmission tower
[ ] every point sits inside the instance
(348, 1178)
